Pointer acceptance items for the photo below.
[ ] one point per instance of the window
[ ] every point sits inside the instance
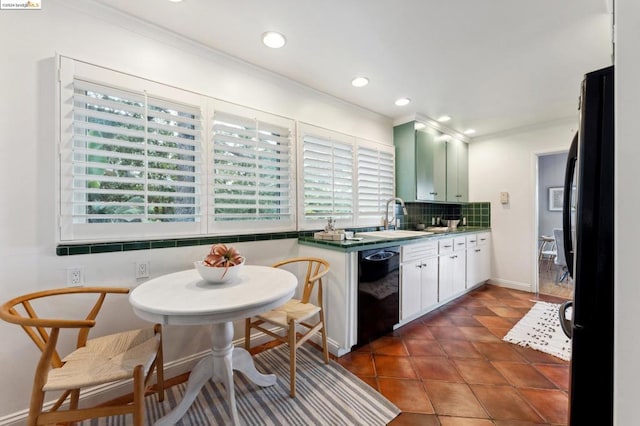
(343, 178)
(136, 161)
(131, 157)
(376, 181)
(141, 160)
(327, 174)
(252, 172)
(134, 158)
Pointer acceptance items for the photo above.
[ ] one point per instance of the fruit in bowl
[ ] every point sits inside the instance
(221, 264)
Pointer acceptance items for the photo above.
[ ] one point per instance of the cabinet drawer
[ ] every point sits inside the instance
(421, 250)
(445, 245)
(472, 240)
(484, 238)
(459, 243)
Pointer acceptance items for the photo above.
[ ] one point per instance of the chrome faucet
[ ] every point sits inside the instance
(386, 210)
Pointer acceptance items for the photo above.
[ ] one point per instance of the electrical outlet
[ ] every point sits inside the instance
(142, 269)
(75, 277)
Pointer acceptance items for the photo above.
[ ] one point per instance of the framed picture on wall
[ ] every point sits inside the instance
(556, 199)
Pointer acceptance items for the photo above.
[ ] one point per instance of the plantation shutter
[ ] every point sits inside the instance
(376, 183)
(327, 181)
(130, 157)
(108, 154)
(134, 159)
(252, 175)
(174, 161)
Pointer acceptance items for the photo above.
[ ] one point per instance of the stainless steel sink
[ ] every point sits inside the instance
(391, 234)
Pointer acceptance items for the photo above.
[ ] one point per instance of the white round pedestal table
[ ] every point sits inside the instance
(183, 298)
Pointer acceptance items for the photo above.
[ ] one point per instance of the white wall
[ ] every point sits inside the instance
(27, 154)
(550, 175)
(513, 226)
(627, 204)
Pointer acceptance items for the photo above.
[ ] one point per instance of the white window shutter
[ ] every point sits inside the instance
(174, 161)
(108, 154)
(130, 162)
(376, 181)
(251, 175)
(328, 181)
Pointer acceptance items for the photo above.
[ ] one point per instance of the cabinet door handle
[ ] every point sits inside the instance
(483, 239)
(472, 241)
(424, 265)
(433, 193)
(418, 266)
(458, 195)
(460, 244)
(446, 246)
(478, 250)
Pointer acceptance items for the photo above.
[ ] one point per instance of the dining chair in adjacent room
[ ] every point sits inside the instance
(547, 252)
(560, 259)
(296, 313)
(126, 356)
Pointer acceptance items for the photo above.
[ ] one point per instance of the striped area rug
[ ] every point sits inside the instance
(326, 394)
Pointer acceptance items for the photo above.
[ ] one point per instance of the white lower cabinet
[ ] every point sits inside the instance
(478, 258)
(419, 279)
(434, 272)
(452, 267)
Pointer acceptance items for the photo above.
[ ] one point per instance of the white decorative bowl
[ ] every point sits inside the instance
(214, 274)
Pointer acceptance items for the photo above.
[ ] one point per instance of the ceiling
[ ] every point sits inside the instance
(492, 65)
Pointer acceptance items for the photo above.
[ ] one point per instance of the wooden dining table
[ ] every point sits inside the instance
(184, 298)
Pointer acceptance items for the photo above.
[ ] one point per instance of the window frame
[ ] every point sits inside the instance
(328, 136)
(246, 227)
(69, 231)
(380, 149)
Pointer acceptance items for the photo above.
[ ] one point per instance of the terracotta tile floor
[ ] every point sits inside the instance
(451, 367)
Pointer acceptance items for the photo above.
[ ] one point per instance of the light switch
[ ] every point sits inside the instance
(504, 197)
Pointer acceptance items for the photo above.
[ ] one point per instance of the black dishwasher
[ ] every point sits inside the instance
(378, 292)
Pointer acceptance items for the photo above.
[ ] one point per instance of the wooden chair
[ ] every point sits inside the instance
(128, 355)
(296, 313)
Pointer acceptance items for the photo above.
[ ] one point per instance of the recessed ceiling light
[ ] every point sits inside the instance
(273, 39)
(359, 81)
(469, 131)
(403, 101)
(444, 118)
(419, 126)
(175, 1)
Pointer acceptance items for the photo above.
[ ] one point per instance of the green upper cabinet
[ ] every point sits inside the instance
(421, 173)
(457, 171)
(430, 166)
(431, 172)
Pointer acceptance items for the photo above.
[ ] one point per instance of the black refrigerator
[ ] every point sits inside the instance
(588, 245)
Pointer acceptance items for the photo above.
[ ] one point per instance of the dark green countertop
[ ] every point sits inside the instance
(376, 242)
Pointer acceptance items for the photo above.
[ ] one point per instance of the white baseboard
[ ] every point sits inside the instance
(512, 284)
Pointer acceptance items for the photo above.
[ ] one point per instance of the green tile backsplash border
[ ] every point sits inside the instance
(477, 214)
(111, 247)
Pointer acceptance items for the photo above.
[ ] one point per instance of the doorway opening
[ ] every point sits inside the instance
(551, 276)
